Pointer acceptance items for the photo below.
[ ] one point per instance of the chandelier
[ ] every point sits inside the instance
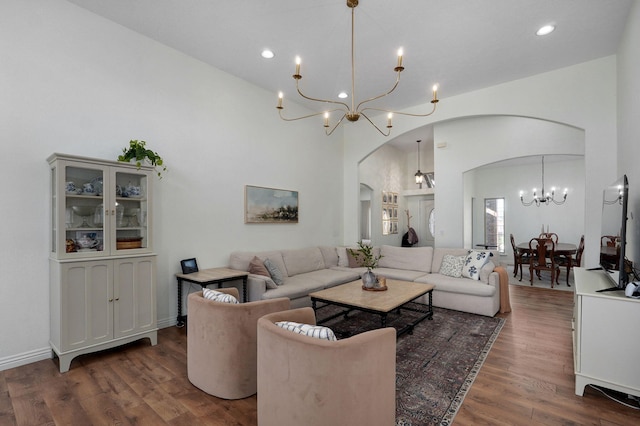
(354, 112)
(545, 197)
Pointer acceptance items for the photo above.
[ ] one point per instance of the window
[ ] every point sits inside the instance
(494, 222)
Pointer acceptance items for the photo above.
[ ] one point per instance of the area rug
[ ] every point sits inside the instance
(436, 365)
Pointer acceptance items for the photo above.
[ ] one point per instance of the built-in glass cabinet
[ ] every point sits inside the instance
(99, 208)
(102, 268)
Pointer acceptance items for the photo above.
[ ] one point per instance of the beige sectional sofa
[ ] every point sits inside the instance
(314, 268)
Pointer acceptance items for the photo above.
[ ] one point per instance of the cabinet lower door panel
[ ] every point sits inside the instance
(134, 296)
(86, 305)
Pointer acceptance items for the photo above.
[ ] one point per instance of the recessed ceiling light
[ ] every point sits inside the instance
(267, 54)
(547, 29)
(343, 95)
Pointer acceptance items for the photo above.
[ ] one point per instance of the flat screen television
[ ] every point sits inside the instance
(613, 232)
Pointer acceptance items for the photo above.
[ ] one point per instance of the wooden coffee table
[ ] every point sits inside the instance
(397, 296)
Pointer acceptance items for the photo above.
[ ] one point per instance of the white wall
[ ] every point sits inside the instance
(629, 124)
(582, 96)
(75, 83)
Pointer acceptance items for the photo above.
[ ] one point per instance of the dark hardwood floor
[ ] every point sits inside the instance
(527, 379)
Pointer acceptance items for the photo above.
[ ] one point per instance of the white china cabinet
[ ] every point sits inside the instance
(102, 264)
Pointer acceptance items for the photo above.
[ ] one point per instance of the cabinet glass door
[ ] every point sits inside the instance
(83, 211)
(130, 213)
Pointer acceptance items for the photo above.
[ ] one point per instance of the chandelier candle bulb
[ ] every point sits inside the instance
(399, 58)
(326, 119)
(297, 74)
(435, 93)
(280, 95)
(389, 117)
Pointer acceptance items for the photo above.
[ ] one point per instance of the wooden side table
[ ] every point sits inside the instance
(208, 277)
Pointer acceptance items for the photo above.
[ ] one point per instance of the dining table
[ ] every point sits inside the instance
(567, 250)
(561, 249)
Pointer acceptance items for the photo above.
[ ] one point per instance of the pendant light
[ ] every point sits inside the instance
(419, 175)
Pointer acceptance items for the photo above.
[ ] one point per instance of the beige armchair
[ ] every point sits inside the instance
(307, 381)
(221, 343)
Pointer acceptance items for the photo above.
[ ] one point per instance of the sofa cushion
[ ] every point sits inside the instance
(452, 265)
(274, 271)
(398, 274)
(332, 277)
(256, 266)
(303, 260)
(474, 262)
(330, 256)
(317, 331)
(457, 285)
(409, 258)
(240, 260)
(268, 281)
(295, 287)
(218, 296)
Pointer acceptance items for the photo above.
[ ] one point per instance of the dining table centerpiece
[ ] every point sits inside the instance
(365, 256)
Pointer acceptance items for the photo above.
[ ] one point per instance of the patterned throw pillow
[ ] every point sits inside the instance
(452, 265)
(274, 271)
(474, 262)
(317, 331)
(218, 296)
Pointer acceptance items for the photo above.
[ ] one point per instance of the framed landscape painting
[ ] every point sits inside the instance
(269, 205)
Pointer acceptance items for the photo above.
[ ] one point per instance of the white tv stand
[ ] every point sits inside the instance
(606, 335)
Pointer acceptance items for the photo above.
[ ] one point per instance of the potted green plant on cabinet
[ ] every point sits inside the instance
(137, 151)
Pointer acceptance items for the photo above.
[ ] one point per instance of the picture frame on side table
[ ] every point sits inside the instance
(189, 265)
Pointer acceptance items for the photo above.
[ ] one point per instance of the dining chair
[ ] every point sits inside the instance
(570, 261)
(520, 257)
(609, 240)
(543, 258)
(550, 235)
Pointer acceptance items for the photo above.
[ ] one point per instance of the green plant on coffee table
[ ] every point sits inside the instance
(365, 253)
(138, 152)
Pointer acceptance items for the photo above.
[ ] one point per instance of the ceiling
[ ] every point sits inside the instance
(462, 45)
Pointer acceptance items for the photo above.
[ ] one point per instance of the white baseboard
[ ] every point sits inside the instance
(25, 358)
(46, 353)
(167, 322)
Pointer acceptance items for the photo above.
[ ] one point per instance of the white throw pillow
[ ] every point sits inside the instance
(342, 257)
(474, 262)
(317, 331)
(218, 296)
(452, 265)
